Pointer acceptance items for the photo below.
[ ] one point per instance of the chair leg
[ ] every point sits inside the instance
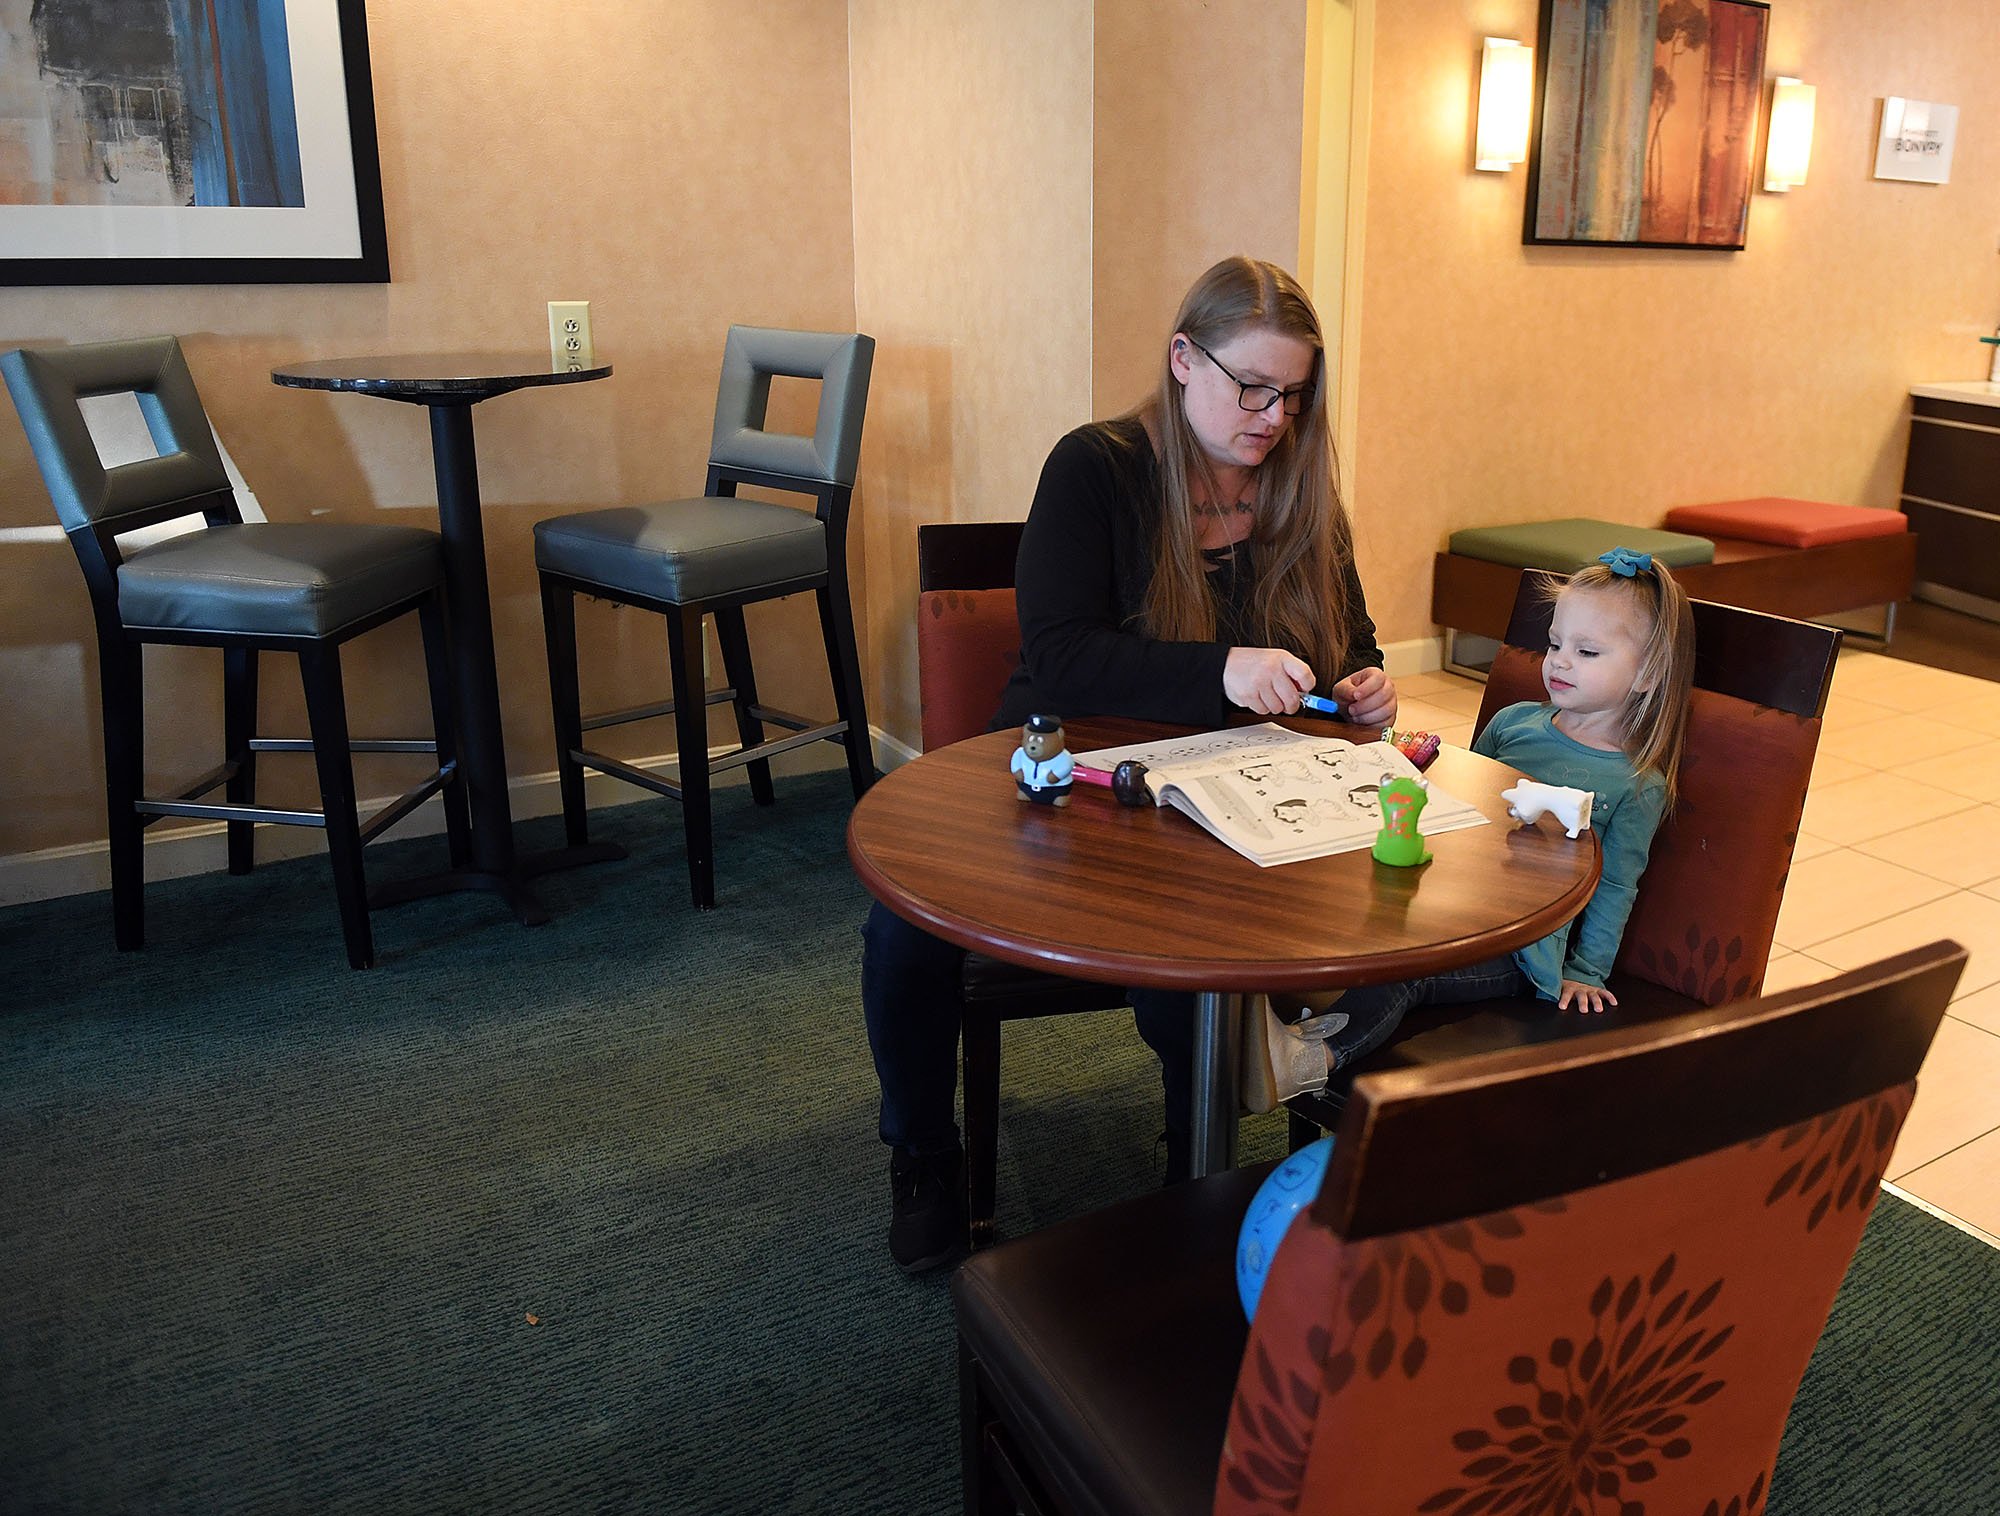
(980, 1033)
(239, 726)
(735, 643)
(980, 1488)
(836, 625)
(566, 702)
(691, 737)
(326, 714)
(121, 684)
(1300, 1132)
(444, 727)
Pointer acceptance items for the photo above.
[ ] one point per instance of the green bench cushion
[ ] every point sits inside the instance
(1566, 545)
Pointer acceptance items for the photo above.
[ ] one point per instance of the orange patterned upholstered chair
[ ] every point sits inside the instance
(1700, 931)
(968, 641)
(1572, 1276)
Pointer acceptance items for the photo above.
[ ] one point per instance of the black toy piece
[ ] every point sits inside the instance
(1127, 782)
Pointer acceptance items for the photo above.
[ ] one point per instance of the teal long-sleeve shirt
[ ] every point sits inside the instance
(1625, 813)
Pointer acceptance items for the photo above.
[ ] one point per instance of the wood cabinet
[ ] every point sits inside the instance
(1951, 493)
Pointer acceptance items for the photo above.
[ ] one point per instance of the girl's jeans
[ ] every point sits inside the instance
(1375, 1010)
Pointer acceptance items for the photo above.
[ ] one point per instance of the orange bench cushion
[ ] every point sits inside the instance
(1788, 523)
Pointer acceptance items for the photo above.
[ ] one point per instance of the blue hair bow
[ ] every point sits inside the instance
(1627, 564)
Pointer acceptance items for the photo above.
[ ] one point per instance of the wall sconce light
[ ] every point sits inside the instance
(1506, 86)
(1790, 145)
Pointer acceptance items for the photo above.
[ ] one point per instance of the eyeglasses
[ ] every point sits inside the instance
(1258, 397)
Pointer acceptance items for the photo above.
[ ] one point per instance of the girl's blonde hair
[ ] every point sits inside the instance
(1655, 712)
(1301, 530)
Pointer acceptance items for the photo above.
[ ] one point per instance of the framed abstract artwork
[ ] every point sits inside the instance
(188, 142)
(1646, 122)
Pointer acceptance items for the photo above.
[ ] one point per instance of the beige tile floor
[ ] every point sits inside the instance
(1899, 845)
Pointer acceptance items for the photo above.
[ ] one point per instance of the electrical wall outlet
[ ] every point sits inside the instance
(569, 336)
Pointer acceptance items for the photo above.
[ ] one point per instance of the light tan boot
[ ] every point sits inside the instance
(1281, 1059)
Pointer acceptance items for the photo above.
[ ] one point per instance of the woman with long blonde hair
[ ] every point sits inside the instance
(1181, 563)
(1193, 557)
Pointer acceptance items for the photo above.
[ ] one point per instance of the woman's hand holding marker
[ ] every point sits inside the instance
(1267, 680)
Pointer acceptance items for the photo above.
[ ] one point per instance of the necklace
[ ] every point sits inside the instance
(1218, 512)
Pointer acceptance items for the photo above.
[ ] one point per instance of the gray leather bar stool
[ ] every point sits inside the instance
(243, 587)
(687, 559)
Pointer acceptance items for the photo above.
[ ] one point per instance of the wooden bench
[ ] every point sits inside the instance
(1780, 578)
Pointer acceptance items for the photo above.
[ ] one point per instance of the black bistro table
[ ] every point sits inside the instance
(449, 385)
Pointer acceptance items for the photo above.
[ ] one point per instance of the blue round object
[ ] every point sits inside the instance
(1289, 1189)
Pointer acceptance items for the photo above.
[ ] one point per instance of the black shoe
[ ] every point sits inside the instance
(927, 1224)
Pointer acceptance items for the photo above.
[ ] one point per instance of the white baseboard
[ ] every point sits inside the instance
(81, 867)
(890, 752)
(1419, 655)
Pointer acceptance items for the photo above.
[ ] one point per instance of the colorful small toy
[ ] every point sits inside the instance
(1127, 782)
(1419, 747)
(1042, 766)
(1399, 843)
(1529, 801)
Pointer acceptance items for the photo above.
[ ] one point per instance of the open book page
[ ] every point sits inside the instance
(1276, 795)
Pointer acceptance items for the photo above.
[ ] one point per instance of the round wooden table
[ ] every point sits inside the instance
(1144, 896)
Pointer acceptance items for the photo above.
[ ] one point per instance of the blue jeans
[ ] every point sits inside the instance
(912, 1002)
(1375, 1010)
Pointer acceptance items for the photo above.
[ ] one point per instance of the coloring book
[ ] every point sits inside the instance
(1276, 795)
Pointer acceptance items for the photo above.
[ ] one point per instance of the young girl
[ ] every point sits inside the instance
(1618, 671)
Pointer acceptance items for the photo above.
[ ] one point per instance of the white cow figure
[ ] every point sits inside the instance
(1529, 802)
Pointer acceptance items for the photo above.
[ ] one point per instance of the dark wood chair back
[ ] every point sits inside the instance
(1748, 655)
(1613, 1255)
(967, 555)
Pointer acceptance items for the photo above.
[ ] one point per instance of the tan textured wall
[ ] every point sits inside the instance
(1198, 123)
(678, 191)
(1501, 383)
(972, 234)
(1034, 188)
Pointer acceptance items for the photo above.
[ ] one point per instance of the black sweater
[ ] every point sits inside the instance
(1080, 583)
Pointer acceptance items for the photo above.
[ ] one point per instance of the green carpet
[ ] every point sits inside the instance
(273, 1230)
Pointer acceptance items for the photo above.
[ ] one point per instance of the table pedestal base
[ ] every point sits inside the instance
(511, 885)
(1218, 1023)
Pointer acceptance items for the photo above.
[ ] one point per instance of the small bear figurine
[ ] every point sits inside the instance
(1399, 842)
(1529, 801)
(1042, 766)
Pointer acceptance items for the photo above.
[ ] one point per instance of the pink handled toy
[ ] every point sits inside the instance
(1127, 781)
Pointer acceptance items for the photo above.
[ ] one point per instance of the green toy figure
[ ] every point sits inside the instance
(1399, 843)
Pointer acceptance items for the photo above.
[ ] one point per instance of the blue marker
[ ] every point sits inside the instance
(1321, 704)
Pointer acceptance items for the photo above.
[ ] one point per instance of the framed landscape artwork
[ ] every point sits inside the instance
(1646, 122)
(188, 141)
